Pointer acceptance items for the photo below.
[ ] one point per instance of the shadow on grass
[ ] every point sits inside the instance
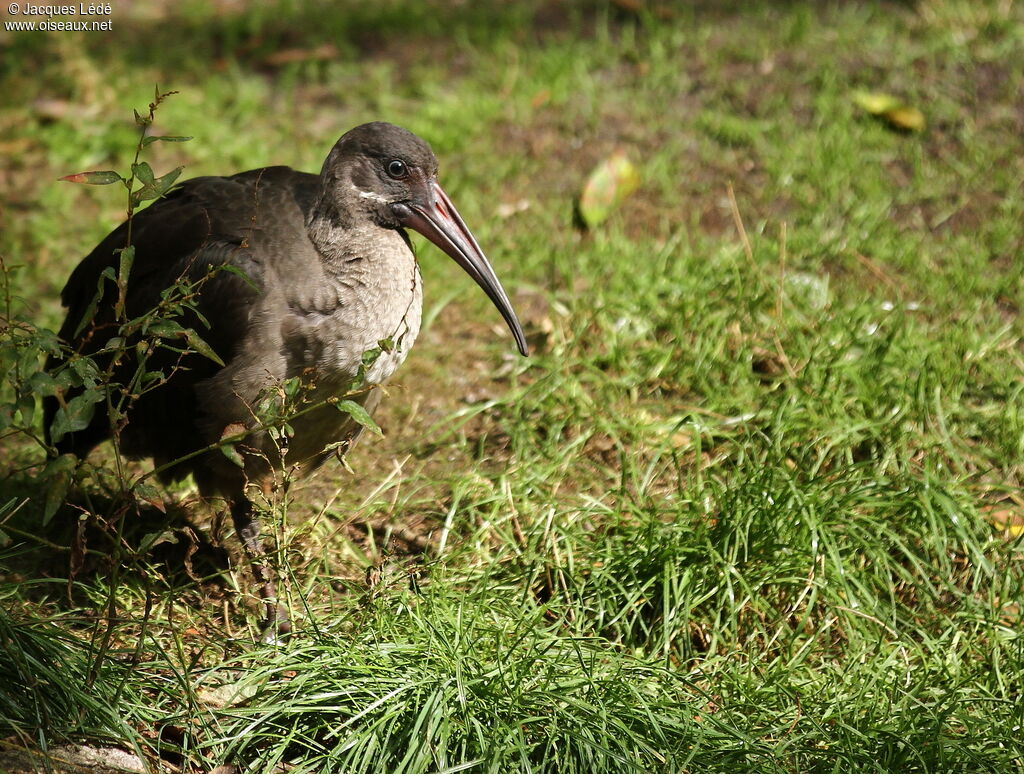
(151, 543)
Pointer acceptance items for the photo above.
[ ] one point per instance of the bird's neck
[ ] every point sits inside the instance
(329, 227)
(356, 247)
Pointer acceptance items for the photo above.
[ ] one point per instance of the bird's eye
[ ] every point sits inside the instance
(397, 169)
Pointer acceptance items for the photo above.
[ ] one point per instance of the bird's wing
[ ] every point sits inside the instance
(189, 236)
(205, 223)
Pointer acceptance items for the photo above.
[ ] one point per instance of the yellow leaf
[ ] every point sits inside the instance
(875, 103)
(908, 118)
(608, 185)
(891, 110)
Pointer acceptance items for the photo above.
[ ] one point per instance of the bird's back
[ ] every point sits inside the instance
(203, 221)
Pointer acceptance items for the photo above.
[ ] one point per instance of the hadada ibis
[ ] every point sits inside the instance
(285, 275)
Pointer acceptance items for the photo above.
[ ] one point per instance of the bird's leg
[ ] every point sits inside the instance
(247, 525)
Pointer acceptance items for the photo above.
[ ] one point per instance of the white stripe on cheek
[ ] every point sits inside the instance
(370, 195)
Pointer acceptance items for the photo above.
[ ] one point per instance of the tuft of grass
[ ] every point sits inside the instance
(445, 686)
(55, 690)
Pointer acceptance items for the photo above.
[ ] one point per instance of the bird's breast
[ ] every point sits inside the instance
(357, 320)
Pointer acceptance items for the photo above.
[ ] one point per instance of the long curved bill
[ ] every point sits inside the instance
(440, 222)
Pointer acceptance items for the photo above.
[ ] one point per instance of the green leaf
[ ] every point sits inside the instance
(105, 177)
(371, 356)
(238, 272)
(152, 539)
(76, 415)
(163, 183)
(143, 172)
(149, 494)
(155, 189)
(164, 138)
(28, 360)
(292, 387)
(196, 343)
(90, 310)
(165, 329)
(67, 377)
(608, 185)
(169, 329)
(42, 384)
(123, 270)
(27, 407)
(150, 377)
(232, 434)
(232, 454)
(359, 414)
(86, 369)
(58, 475)
(47, 341)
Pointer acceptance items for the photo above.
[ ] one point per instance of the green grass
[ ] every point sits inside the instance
(753, 504)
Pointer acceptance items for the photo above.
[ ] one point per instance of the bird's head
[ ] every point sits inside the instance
(389, 175)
